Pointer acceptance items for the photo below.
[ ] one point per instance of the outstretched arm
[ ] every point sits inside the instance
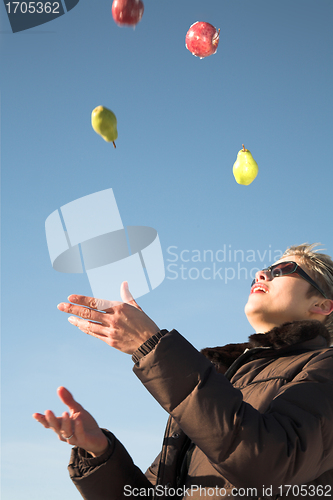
(110, 471)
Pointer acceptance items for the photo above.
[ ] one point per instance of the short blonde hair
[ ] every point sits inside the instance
(320, 267)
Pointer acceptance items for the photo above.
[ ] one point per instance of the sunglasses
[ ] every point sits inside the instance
(286, 268)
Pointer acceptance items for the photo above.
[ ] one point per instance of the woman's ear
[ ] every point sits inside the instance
(323, 307)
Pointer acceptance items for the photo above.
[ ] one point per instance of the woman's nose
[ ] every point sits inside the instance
(263, 276)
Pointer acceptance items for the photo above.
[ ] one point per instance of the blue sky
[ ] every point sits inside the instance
(181, 122)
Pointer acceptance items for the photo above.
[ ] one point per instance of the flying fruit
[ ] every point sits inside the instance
(127, 12)
(104, 122)
(202, 39)
(245, 168)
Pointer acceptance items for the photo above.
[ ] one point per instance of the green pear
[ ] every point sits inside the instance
(245, 168)
(104, 122)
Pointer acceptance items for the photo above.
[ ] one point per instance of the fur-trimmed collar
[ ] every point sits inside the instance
(279, 338)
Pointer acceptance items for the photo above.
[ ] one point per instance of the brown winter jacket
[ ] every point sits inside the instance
(268, 432)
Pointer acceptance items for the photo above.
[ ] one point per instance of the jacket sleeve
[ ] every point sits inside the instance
(112, 476)
(290, 443)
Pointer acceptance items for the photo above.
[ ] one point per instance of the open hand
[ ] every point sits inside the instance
(122, 325)
(78, 427)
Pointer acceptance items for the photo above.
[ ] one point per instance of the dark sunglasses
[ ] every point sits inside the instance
(288, 267)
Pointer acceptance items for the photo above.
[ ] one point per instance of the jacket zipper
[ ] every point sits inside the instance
(247, 355)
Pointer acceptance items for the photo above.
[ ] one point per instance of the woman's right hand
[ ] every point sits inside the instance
(77, 428)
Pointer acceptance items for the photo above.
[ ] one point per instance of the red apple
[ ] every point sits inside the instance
(127, 12)
(202, 39)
